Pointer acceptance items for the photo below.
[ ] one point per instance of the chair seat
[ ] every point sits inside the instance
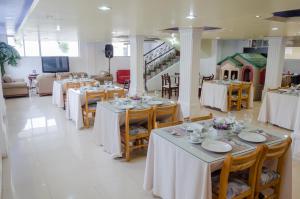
(268, 175)
(135, 130)
(91, 106)
(235, 186)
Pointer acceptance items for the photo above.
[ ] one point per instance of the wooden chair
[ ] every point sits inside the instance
(168, 87)
(169, 114)
(249, 163)
(91, 98)
(245, 96)
(135, 137)
(67, 86)
(273, 181)
(204, 78)
(200, 118)
(110, 93)
(234, 96)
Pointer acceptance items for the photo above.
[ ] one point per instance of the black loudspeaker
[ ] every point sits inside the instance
(109, 51)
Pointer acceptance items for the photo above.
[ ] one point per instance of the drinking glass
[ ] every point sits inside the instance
(248, 119)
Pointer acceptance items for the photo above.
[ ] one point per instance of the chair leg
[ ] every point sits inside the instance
(127, 151)
(87, 120)
(170, 93)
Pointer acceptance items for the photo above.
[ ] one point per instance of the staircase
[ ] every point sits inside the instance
(159, 59)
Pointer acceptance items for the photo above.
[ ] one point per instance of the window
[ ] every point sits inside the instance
(292, 53)
(121, 49)
(30, 46)
(17, 43)
(59, 48)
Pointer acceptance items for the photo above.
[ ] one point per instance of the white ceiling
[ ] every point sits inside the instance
(81, 18)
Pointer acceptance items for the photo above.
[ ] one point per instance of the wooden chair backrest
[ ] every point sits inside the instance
(275, 152)
(233, 164)
(234, 88)
(166, 124)
(246, 87)
(70, 85)
(93, 95)
(200, 118)
(170, 111)
(110, 93)
(166, 80)
(139, 115)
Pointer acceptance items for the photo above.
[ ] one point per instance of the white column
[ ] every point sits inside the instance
(190, 48)
(275, 62)
(137, 64)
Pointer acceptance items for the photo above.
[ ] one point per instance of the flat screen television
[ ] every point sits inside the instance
(55, 64)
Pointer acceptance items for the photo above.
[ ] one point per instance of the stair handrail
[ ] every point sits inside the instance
(150, 51)
(147, 63)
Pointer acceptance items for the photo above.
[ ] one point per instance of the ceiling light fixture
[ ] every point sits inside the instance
(218, 37)
(275, 28)
(257, 16)
(58, 28)
(191, 16)
(104, 8)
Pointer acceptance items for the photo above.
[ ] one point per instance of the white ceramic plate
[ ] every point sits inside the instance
(124, 107)
(252, 137)
(216, 146)
(155, 102)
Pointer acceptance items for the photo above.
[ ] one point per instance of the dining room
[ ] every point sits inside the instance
(201, 102)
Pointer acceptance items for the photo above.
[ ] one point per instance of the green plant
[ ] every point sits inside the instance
(64, 47)
(9, 55)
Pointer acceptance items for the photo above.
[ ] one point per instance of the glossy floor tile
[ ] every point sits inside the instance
(50, 159)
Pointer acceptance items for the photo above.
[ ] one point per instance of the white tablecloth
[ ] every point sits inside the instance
(107, 128)
(280, 109)
(75, 99)
(215, 95)
(173, 173)
(57, 94)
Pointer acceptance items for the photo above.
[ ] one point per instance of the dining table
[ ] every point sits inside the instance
(179, 168)
(58, 89)
(282, 108)
(110, 116)
(215, 94)
(76, 98)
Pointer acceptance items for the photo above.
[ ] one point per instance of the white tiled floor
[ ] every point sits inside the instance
(49, 158)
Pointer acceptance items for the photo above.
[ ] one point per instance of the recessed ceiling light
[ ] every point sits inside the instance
(58, 28)
(113, 32)
(275, 28)
(104, 8)
(257, 16)
(218, 37)
(191, 16)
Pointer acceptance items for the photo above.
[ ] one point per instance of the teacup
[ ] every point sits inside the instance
(195, 137)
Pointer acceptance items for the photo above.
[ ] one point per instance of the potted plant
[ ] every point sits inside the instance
(9, 55)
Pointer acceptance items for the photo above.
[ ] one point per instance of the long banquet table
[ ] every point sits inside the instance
(58, 90)
(215, 94)
(75, 99)
(281, 108)
(177, 169)
(107, 124)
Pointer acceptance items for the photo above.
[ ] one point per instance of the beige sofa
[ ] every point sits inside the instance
(14, 87)
(44, 82)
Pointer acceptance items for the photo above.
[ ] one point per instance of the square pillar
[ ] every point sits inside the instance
(190, 48)
(275, 62)
(137, 65)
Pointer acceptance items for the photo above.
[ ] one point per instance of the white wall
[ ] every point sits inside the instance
(292, 65)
